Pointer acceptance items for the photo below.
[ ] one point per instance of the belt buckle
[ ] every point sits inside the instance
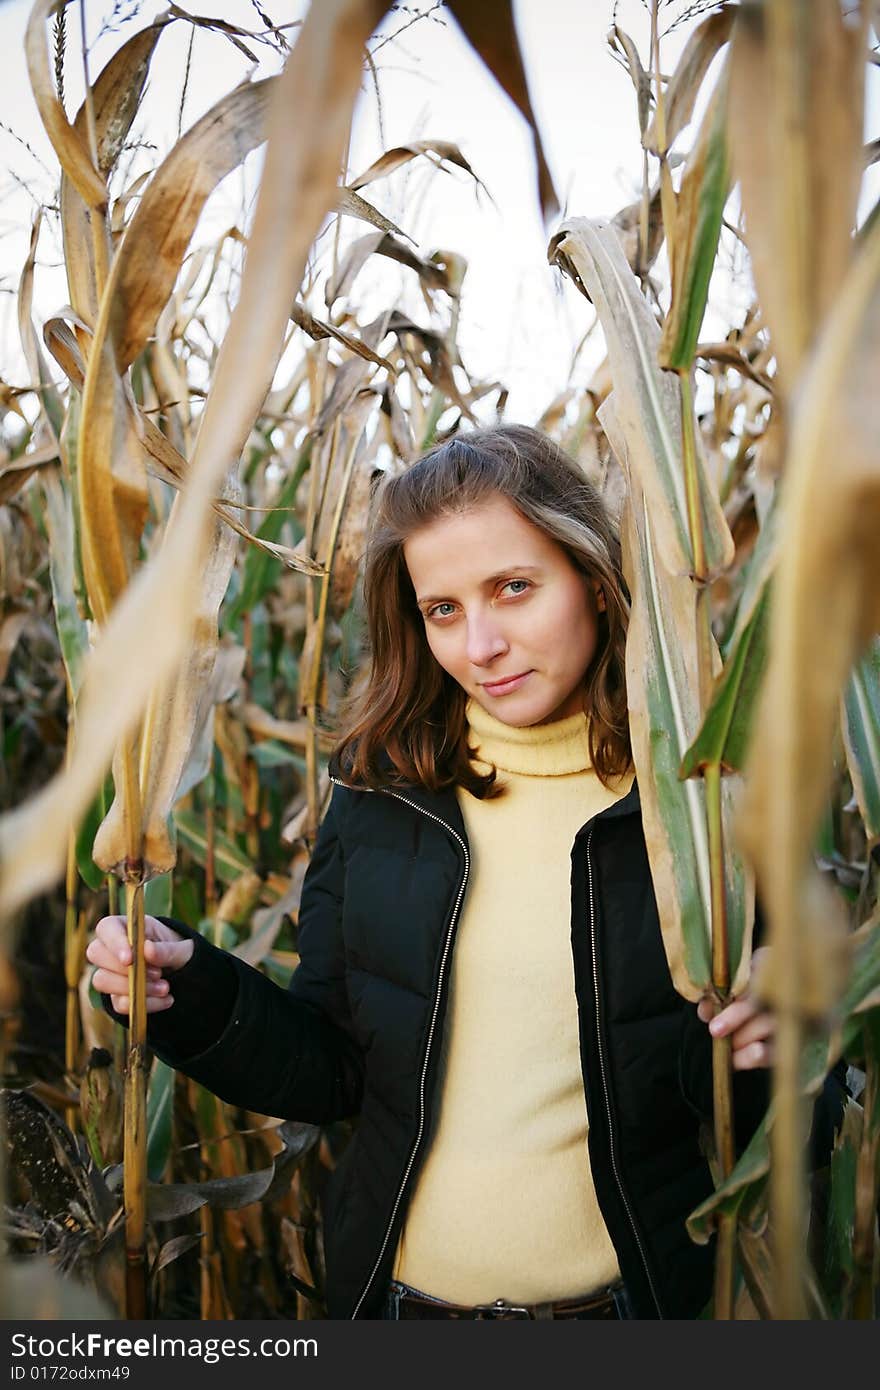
(500, 1311)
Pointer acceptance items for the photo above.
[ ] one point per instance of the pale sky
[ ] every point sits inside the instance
(519, 321)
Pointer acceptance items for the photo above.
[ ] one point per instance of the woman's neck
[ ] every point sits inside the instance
(537, 750)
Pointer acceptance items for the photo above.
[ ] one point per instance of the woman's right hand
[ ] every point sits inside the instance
(164, 950)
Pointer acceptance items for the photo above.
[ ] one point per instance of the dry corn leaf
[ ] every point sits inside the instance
(355, 206)
(42, 383)
(351, 538)
(435, 359)
(683, 87)
(400, 434)
(620, 42)
(116, 96)
(69, 144)
(233, 32)
(111, 473)
(350, 264)
(796, 111)
(148, 261)
(163, 460)
(268, 921)
(317, 329)
(240, 898)
(225, 685)
(628, 225)
(446, 153)
(733, 356)
(148, 631)
(825, 611)
(120, 205)
(15, 474)
(490, 29)
(335, 458)
(175, 715)
(261, 724)
(433, 272)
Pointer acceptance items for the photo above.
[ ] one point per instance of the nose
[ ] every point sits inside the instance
(485, 640)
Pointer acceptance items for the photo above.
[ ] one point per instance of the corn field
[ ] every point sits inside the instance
(186, 472)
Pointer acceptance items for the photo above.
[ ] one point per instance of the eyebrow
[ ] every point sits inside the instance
(489, 580)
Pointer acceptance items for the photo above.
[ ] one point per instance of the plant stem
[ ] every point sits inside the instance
(691, 487)
(72, 941)
(722, 1078)
(135, 1142)
(722, 1072)
(667, 192)
(210, 849)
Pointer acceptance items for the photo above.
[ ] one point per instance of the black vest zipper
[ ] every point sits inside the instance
(606, 1094)
(450, 930)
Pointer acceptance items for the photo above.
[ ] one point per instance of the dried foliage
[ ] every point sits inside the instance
(184, 495)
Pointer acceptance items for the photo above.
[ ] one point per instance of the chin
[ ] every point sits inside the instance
(521, 717)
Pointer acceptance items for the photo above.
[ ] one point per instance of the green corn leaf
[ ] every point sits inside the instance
(157, 895)
(861, 735)
(92, 876)
(861, 998)
(662, 689)
(160, 1102)
(229, 860)
(840, 1222)
(72, 631)
(261, 570)
(648, 399)
(700, 204)
(724, 734)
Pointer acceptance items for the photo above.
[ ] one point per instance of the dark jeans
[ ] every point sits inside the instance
(390, 1313)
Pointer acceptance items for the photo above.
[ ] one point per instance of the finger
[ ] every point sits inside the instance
(707, 1009)
(112, 982)
(100, 954)
(732, 1017)
(111, 932)
(154, 1006)
(168, 954)
(158, 955)
(158, 1006)
(757, 1029)
(757, 1054)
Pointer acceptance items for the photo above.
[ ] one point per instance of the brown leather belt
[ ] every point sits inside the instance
(413, 1304)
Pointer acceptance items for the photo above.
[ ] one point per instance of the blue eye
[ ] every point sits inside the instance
(524, 582)
(436, 612)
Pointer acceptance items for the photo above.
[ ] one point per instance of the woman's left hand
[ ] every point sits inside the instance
(751, 1028)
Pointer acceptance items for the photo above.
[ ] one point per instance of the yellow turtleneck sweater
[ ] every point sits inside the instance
(504, 1205)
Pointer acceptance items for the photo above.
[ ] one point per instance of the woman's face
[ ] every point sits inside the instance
(506, 613)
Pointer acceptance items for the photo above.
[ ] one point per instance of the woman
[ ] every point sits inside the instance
(482, 978)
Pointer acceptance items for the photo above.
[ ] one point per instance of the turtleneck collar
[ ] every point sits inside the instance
(540, 750)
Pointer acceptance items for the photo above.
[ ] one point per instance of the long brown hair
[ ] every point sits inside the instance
(407, 723)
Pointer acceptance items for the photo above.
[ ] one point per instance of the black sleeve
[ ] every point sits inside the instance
(204, 993)
(287, 1053)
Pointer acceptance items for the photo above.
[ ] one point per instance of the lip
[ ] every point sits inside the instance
(510, 683)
